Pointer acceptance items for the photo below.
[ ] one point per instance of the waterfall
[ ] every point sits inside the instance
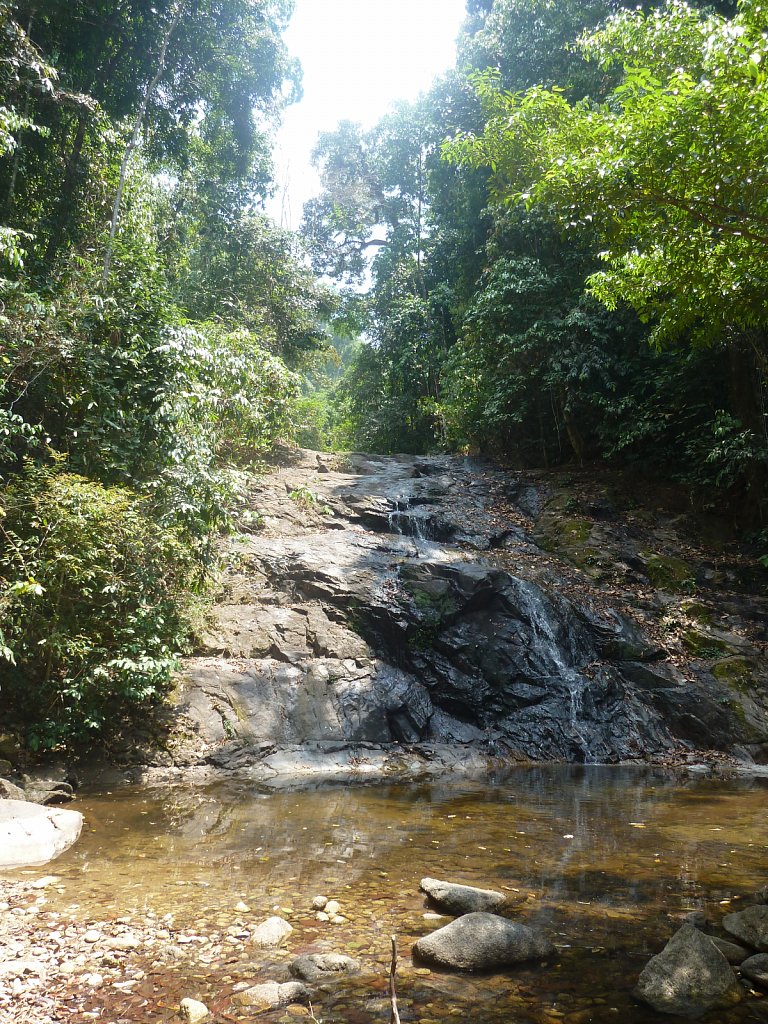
(576, 683)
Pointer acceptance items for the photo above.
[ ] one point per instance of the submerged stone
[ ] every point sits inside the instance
(689, 977)
(270, 995)
(318, 966)
(272, 932)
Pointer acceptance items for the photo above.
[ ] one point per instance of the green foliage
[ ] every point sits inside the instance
(93, 596)
(310, 499)
(666, 170)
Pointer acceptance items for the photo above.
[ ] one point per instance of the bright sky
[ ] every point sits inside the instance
(358, 56)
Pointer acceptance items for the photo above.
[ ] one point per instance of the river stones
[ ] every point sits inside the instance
(321, 966)
(461, 899)
(270, 995)
(756, 969)
(10, 791)
(480, 941)
(689, 977)
(272, 932)
(193, 1011)
(31, 834)
(749, 926)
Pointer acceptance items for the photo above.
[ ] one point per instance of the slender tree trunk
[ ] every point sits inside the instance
(67, 190)
(135, 138)
(748, 366)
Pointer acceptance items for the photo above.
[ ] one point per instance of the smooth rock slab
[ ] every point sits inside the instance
(461, 899)
(31, 834)
(749, 926)
(319, 966)
(270, 995)
(272, 932)
(756, 969)
(689, 977)
(479, 941)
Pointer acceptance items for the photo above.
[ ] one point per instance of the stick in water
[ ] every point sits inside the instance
(395, 1018)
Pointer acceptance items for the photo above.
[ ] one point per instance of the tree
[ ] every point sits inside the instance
(668, 171)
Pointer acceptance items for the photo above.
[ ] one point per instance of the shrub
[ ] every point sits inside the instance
(93, 600)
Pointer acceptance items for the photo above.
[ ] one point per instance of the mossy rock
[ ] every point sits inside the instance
(702, 644)
(697, 611)
(569, 536)
(669, 573)
(737, 672)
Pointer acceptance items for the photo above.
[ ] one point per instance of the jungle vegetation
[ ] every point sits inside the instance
(555, 255)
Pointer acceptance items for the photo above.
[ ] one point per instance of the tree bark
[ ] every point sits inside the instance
(135, 138)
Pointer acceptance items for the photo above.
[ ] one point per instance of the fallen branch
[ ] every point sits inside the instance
(395, 1017)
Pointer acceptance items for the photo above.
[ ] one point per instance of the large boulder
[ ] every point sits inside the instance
(31, 834)
(689, 977)
(461, 899)
(749, 926)
(478, 942)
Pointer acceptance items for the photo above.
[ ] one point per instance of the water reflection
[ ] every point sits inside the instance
(600, 857)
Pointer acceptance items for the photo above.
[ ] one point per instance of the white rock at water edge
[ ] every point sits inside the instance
(32, 834)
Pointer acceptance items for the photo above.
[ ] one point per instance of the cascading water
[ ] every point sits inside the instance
(551, 650)
(407, 521)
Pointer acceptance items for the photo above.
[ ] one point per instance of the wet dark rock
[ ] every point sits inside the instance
(732, 952)
(323, 966)
(756, 969)
(749, 926)
(461, 899)
(480, 942)
(689, 977)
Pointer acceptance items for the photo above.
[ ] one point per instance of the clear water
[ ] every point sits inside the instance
(599, 857)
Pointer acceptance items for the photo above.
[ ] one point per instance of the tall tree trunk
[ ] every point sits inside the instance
(67, 190)
(135, 137)
(748, 366)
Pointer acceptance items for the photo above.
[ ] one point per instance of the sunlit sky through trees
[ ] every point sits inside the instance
(358, 56)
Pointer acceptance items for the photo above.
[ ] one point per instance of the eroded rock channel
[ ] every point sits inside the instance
(409, 614)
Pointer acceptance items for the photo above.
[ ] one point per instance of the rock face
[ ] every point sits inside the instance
(749, 926)
(460, 899)
(407, 604)
(31, 834)
(689, 977)
(480, 942)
